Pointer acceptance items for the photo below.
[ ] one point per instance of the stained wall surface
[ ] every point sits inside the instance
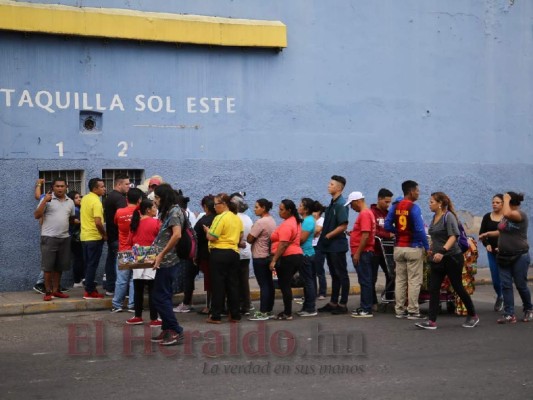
(380, 92)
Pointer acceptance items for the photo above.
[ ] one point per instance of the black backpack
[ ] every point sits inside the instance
(188, 244)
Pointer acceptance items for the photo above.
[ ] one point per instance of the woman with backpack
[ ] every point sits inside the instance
(446, 259)
(166, 263)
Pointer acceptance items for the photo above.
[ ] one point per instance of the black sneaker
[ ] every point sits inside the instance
(360, 313)
(172, 338)
(64, 289)
(498, 306)
(39, 288)
(327, 308)
(340, 310)
(402, 315)
(471, 322)
(431, 325)
(159, 338)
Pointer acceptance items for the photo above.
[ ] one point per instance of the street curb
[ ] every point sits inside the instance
(80, 304)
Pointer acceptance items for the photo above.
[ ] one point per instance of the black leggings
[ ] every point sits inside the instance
(224, 269)
(453, 267)
(285, 269)
(138, 297)
(189, 275)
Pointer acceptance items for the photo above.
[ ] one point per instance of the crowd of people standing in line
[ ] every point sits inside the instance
(228, 239)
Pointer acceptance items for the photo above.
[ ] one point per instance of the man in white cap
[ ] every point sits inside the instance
(362, 240)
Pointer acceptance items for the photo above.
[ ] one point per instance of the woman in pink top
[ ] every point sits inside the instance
(143, 230)
(259, 238)
(287, 255)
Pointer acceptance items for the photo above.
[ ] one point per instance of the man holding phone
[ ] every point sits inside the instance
(56, 210)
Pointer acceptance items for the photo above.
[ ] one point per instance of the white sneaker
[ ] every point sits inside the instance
(77, 285)
(307, 313)
(182, 308)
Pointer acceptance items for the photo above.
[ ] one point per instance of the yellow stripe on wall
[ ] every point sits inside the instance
(140, 25)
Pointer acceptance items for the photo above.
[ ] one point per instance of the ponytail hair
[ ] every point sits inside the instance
(447, 205)
(264, 203)
(291, 207)
(516, 198)
(311, 205)
(145, 205)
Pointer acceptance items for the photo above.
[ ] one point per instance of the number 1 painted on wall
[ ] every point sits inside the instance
(60, 148)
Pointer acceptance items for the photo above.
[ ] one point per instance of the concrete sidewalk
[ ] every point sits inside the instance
(29, 302)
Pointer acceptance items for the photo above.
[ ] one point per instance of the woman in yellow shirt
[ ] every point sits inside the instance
(224, 236)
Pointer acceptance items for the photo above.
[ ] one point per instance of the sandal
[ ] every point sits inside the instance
(283, 316)
(204, 311)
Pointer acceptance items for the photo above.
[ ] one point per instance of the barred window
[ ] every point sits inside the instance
(75, 179)
(108, 175)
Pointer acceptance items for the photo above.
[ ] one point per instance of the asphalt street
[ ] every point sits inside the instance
(92, 355)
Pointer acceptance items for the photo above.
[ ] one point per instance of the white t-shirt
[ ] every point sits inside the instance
(192, 217)
(319, 222)
(247, 223)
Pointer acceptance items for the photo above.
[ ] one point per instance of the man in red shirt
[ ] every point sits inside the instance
(362, 240)
(123, 221)
(380, 210)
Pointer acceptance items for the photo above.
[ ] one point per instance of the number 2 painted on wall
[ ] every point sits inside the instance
(124, 149)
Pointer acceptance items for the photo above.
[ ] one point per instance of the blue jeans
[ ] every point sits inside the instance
(78, 266)
(340, 281)
(308, 274)
(495, 274)
(388, 292)
(92, 251)
(40, 278)
(364, 275)
(263, 274)
(110, 266)
(162, 297)
(518, 273)
(124, 277)
(320, 259)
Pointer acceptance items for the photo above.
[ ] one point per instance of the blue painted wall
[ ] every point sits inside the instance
(379, 92)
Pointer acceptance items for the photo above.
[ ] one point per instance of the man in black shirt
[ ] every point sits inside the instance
(334, 244)
(115, 200)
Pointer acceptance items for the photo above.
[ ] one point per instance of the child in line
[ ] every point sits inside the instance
(143, 230)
